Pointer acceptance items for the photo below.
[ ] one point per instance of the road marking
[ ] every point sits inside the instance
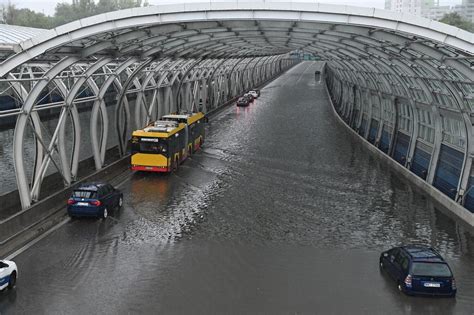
(36, 240)
(289, 77)
(127, 178)
(302, 75)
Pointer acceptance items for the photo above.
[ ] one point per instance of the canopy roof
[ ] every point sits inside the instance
(354, 40)
(12, 35)
(398, 62)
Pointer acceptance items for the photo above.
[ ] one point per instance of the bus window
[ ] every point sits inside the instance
(153, 147)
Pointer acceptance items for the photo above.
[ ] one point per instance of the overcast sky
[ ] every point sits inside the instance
(47, 6)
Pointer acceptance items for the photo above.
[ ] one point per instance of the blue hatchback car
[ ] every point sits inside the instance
(94, 200)
(419, 270)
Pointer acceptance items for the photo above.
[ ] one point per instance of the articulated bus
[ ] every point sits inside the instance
(164, 144)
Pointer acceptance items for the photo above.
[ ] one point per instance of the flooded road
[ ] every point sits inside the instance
(280, 213)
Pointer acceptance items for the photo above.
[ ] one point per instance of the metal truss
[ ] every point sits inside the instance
(152, 87)
(406, 75)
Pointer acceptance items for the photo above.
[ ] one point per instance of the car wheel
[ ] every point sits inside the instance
(400, 287)
(381, 264)
(105, 214)
(12, 282)
(120, 202)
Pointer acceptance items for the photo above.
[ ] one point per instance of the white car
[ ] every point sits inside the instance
(8, 274)
(253, 93)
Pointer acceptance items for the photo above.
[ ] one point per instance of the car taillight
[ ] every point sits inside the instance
(95, 203)
(453, 284)
(71, 201)
(408, 281)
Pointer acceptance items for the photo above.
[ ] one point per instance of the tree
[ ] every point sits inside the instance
(25, 17)
(113, 5)
(457, 20)
(65, 12)
(127, 4)
(106, 6)
(79, 9)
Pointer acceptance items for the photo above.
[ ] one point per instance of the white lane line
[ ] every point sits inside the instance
(127, 178)
(289, 72)
(36, 240)
(302, 74)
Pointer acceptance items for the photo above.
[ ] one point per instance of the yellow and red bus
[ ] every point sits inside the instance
(164, 144)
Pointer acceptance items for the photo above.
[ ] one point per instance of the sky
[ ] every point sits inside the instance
(47, 6)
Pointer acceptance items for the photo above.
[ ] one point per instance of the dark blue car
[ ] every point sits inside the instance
(419, 270)
(94, 200)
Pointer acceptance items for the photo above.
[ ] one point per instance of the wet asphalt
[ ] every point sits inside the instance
(280, 213)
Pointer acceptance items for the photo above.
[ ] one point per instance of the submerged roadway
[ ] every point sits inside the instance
(281, 212)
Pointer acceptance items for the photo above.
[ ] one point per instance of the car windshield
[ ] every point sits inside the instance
(89, 194)
(431, 269)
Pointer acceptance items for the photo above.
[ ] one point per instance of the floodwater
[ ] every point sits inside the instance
(281, 213)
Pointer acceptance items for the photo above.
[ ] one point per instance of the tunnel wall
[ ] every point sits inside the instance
(394, 140)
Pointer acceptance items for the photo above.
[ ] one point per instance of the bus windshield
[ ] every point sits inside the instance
(153, 147)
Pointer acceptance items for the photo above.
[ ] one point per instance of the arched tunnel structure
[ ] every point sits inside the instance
(404, 83)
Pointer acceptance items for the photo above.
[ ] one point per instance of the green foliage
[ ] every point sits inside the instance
(455, 19)
(65, 12)
(25, 17)
(79, 9)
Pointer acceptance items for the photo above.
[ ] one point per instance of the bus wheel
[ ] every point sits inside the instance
(175, 165)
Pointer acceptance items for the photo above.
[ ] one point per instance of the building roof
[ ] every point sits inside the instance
(11, 35)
